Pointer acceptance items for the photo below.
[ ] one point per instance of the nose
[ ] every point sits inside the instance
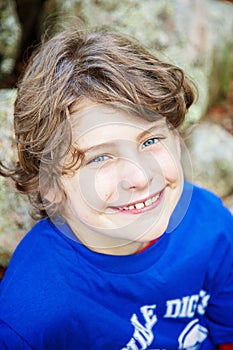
(135, 174)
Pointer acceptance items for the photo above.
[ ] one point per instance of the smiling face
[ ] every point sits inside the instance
(129, 182)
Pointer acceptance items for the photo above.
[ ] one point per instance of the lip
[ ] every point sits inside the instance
(139, 210)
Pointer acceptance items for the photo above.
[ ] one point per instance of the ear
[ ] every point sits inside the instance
(53, 196)
(51, 191)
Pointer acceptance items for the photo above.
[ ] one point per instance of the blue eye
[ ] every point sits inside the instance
(150, 142)
(98, 159)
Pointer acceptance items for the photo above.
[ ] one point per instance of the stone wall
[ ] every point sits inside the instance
(14, 208)
(194, 34)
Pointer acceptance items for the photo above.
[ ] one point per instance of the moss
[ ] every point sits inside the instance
(227, 71)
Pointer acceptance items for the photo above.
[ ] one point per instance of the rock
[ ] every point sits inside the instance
(15, 220)
(190, 33)
(211, 149)
(194, 34)
(9, 35)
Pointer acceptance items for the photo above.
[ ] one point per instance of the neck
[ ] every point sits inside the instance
(106, 244)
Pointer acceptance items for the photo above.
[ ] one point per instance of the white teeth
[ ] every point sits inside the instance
(155, 198)
(141, 205)
(148, 202)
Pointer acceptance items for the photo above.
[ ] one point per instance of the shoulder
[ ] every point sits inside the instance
(210, 223)
(36, 282)
(38, 252)
(202, 218)
(35, 242)
(204, 235)
(204, 193)
(209, 207)
(41, 258)
(200, 209)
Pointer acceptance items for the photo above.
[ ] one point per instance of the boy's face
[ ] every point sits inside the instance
(129, 182)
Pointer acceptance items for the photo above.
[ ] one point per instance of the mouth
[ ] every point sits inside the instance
(143, 205)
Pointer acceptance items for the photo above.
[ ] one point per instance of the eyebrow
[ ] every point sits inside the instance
(160, 125)
(105, 145)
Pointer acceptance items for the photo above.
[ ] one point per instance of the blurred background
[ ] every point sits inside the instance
(196, 35)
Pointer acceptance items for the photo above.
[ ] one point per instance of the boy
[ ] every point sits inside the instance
(126, 255)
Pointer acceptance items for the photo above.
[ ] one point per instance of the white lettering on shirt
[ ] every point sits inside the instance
(187, 306)
(143, 335)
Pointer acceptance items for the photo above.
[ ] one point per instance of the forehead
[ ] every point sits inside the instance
(103, 123)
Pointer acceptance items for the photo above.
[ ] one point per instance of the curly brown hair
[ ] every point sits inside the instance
(102, 66)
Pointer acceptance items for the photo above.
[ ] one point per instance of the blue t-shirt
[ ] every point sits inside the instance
(177, 294)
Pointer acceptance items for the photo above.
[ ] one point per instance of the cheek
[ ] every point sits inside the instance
(97, 187)
(106, 184)
(170, 165)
